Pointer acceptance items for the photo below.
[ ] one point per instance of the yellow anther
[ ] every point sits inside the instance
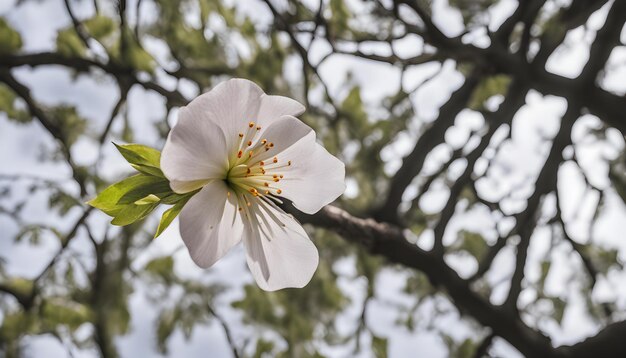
(264, 141)
(267, 192)
(275, 160)
(249, 143)
(239, 154)
(250, 154)
(289, 162)
(228, 194)
(271, 145)
(276, 180)
(240, 135)
(275, 176)
(258, 128)
(266, 184)
(248, 171)
(251, 124)
(262, 170)
(261, 163)
(279, 191)
(281, 176)
(240, 208)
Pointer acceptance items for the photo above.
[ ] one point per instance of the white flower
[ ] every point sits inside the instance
(245, 149)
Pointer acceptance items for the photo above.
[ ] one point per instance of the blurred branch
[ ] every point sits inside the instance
(432, 136)
(545, 183)
(51, 127)
(78, 26)
(580, 251)
(525, 13)
(457, 154)
(609, 342)
(80, 64)
(226, 329)
(483, 347)
(515, 99)
(116, 109)
(389, 241)
(65, 242)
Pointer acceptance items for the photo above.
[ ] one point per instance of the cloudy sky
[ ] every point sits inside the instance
(516, 164)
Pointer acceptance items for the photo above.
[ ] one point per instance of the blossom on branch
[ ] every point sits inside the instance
(244, 151)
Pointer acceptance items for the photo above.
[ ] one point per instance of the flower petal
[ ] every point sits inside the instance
(231, 105)
(194, 153)
(209, 225)
(274, 107)
(315, 177)
(278, 256)
(284, 133)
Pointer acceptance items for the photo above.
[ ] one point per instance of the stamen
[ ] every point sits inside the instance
(279, 191)
(239, 154)
(240, 135)
(249, 143)
(275, 160)
(289, 162)
(251, 124)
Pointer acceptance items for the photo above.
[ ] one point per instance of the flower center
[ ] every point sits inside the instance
(248, 176)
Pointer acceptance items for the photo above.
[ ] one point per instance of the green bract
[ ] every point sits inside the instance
(135, 197)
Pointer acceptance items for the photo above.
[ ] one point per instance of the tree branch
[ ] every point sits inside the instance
(434, 135)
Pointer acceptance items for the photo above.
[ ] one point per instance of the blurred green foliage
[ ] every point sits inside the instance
(205, 42)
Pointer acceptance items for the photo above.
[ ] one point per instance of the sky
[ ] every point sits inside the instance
(515, 165)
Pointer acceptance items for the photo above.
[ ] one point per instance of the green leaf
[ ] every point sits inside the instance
(472, 243)
(140, 154)
(66, 313)
(10, 40)
(100, 26)
(68, 121)
(161, 268)
(108, 199)
(379, 346)
(142, 158)
(489, 87)
(154, 171)
(7, 104)
(158, 187)
(545, 270)
(69, 44)
(559, 306)
(170, 214)
(602, 258)
(150, 199)
(132, 213)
